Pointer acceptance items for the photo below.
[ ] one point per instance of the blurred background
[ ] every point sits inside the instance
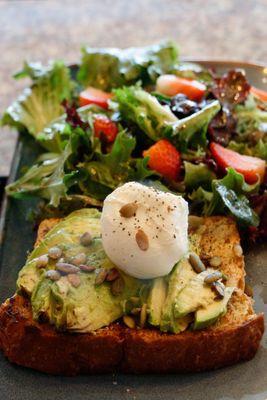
(45, 29)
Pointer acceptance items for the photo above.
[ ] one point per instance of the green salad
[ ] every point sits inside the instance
(140, 114)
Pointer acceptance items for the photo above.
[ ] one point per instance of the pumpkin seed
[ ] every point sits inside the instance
(101, 276)
(74, 280)
(86, 239)
(238, 250)
(219, 288)
(79, 259)
(67, 268)
(129, 321)
(215, 261)
(248, 290)
(213, 277)
(143, 315)
(135, 310)
(128, 210)
(117, 286)
(112, 275)
(196, 263)
(194, 222)
(87, 268)
(42, 261)
(142, 240)
(53, 275)
(135, 300)
(55, 253)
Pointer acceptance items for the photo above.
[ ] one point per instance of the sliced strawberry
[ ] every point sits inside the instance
(164, 158)
(251, 168)
(170, 85)
(104, 126)
(92, 95)
(261, 94)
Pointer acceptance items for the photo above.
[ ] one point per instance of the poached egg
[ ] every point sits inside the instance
(144, 230)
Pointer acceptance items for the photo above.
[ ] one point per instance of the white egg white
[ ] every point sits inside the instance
(163, 217)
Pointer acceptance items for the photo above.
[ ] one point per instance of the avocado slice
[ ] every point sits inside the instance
(156, 299)
(79, 309)
(194, 295)
(207, 316)
(180, 276)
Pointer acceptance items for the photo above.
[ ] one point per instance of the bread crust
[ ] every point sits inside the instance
(117, 348)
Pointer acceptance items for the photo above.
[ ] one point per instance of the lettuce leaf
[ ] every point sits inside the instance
(192, 131)
(143, 109)
(197, 175)
(157, 121)
(256, 150)
(228, 195)
(41, 103)
(49, 177)
(110, 68)
(250, 118)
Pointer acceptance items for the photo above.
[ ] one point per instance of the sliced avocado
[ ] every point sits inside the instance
(194, 295)
(156, 299)
(207, 316)
(40, 299)
(180, 276)
(66, 235)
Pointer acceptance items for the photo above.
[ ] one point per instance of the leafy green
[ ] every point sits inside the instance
(54, 136)
(111, 68)
(197, 175)
(228, 195)
(110, 170)
(157, 121)
(194, 71)
(250, 118)
(140, 107)
(191, 131)
(256, 150)
(48, 178)
(41, 103)
(43, 179)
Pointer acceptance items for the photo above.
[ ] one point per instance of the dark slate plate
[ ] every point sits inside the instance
(247, 381)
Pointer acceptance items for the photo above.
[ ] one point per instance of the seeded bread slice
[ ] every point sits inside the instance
(234, 338)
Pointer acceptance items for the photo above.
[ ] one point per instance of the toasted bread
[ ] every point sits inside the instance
(234, 338)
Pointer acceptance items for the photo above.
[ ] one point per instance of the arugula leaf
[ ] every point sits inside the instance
(110, 68)
(140, 107)
(41, 103)
(197, 175)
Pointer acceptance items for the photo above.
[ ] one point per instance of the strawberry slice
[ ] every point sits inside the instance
(104, 126)
(261, 94)
(250, 167)
(170, 85)
(164, 158)
(92, 95)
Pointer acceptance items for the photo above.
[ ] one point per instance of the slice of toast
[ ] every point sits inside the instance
(234, 338)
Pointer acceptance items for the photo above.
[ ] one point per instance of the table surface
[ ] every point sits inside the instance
(45, 29)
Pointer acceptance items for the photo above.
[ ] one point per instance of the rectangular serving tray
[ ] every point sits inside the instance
(247, 381)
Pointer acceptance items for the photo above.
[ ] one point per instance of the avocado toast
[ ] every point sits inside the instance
(35, 332)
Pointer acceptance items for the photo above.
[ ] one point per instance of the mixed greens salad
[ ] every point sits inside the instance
(140, 114)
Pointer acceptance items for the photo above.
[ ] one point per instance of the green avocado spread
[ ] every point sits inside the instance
(93, 293)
